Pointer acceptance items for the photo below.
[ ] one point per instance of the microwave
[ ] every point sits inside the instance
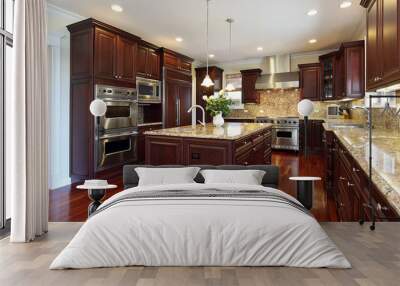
(148, 90)
(333, 111)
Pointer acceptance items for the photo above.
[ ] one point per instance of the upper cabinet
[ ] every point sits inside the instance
(310, 75)
(176, 61)
(249, 78)
(104, 52)
(148, 61)
(352, 68)
(383, 43)
(115, 56)
(328, 75)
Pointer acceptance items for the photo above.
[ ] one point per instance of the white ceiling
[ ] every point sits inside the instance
(279, 26)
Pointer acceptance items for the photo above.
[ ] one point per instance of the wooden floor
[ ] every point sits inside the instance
(375, 258)
(70, 204)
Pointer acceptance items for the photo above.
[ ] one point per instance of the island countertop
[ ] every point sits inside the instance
(229, 131)
(385, 154)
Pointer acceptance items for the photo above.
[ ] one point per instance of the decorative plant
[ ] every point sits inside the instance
(218, 103)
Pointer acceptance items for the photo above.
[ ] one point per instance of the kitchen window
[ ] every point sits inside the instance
(236, 94)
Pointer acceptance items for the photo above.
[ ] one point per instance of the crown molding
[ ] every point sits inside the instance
(55, 9)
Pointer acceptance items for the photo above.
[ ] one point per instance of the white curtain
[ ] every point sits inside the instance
(27, 155)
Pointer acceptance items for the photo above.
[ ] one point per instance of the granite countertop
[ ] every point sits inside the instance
(385, 154)
(229, 131)
(241, 117)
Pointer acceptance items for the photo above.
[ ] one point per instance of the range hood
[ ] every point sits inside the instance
(277, 73)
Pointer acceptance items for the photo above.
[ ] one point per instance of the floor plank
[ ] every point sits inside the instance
(375, 258)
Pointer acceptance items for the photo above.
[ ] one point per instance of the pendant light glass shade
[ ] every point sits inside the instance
(207, 82)
(229, 87)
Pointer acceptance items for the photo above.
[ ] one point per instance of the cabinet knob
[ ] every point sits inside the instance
(246, 163)
(356, 170)
(350, 184)
(379, 207)
(342, 178)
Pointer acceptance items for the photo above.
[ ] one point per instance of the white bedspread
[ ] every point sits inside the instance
(202, 232)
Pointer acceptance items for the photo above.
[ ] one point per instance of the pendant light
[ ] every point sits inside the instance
(207, 82)
(229, 86)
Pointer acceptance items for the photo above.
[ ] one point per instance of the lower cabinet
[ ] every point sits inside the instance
(348, 184)
(141, 143)
(250, 150)
(314, 135)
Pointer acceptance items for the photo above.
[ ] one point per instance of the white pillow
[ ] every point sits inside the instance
(166, 176)
(247, 177)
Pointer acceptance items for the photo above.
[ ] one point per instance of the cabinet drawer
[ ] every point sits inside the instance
(243, 159)
(243, 145)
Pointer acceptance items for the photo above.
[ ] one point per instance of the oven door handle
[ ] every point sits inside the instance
(108, 136)
(118, 100)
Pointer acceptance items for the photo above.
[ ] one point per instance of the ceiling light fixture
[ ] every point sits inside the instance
(345, 4)
(230, 86)
(117, 8)
(312, 41)
(207, 82)
(312, 12)
(211, 56)
(260, 49)
(178, 39)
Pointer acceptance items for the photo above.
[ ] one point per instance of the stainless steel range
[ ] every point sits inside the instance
(285, 132)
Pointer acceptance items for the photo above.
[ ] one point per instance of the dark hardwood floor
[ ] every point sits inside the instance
(70, 204)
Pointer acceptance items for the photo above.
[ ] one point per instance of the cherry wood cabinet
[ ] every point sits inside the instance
(348, 183)
(115, 56)
(249, 78)
(148, 61)
(351, 70)
(216, 75)
(383, 43)
(177, 81)
(249, 150)
(141, 146)
(328, 74)
(173, 60)
(315, 138)
(310, 81)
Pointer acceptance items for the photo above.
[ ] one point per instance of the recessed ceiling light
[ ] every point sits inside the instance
(260, 49)
(211, 56)
(117, 8)
(178, 39)
(312, 41)
(345, 4)
(312, 12)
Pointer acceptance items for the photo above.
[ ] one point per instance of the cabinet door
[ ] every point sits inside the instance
(142, 60)
(105, 63)
(184, 65)
(249, 92)
(310, 83)
(354, 71)
(185, 102)
(373, 71)
(390, 40)
(153, 64)
(126, 60)
(171, 104)
(170, 61)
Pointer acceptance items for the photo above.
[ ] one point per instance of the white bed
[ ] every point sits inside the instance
(200, 231)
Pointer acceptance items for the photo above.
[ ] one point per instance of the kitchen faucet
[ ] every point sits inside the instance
(203, 123)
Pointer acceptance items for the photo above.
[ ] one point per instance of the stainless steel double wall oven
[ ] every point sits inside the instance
(116, 131)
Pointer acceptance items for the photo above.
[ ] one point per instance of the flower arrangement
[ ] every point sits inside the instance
(216, 104)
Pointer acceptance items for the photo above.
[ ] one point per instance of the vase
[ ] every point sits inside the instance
(218, 120)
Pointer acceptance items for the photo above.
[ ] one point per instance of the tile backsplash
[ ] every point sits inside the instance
(276, 103)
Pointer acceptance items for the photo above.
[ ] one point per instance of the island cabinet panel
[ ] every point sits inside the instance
(211, 152)
(141, 141)
(164, 151)
(348, 183)
(250, 150)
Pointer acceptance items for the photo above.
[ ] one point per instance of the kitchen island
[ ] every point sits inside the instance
(233, 143)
